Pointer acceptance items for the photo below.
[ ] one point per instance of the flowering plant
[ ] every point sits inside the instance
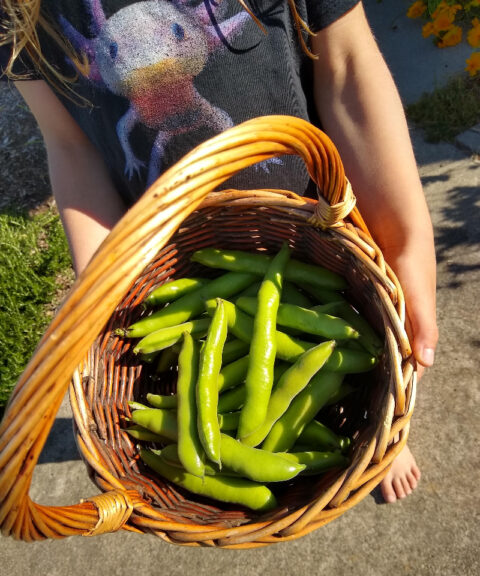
(447, 21)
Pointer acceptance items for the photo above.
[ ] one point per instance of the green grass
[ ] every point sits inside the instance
(448, 111)
(34, 259)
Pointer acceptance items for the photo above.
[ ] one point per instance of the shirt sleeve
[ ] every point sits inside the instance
(322, 13)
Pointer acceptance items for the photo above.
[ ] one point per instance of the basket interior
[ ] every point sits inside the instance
(117, 375)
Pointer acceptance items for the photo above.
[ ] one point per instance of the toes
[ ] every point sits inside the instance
(415, 470)
(411, 480)
(389, 495)
(397, 484)
(406, 486)
(387, 490)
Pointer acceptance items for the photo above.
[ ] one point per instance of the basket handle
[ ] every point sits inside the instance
(130, 246)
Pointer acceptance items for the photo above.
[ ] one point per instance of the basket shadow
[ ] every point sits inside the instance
(376, 494)
(60, 445)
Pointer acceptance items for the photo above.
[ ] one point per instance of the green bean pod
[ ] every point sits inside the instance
(279, 370)
(228, 421)
(224, 488)
(251, 311)
(134, 405)
(174, 289)
(166, 337)
(162, 401)
(369, 339)
(317, 462)
(207, 384)
(167, 359)
(234, 398)
(189, 305)
(240, 324)
(142, 434)
(309, 321)
(292, 295)
(350, 361)
(234, 349)
(291, 384)
(157, 420)
(190, 450)
(251, 290)
(170, 455)
(320, 294)
(263, 347)
(303, 408)
(345, 390)
(318, 436)
(256, 464)
(233, 374)
(257, 263)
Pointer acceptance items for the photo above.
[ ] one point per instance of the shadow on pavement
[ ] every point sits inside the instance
(460, 230)
(60, 445)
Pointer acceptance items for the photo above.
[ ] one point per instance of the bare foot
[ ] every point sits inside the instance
(402, 478)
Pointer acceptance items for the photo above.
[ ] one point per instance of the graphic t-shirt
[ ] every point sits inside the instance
(161, 76)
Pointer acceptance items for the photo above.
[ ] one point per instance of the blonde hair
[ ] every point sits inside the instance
(24, 19)
(20, 30)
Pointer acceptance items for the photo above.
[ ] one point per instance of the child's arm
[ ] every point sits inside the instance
(361, 111)
(88, 204)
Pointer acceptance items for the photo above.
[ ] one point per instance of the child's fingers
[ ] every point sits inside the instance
(424, 340)
(415, 270)
(422, 325)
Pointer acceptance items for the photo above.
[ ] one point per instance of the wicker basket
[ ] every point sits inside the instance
(179, 214)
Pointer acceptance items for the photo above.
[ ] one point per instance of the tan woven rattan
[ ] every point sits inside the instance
(180, 213)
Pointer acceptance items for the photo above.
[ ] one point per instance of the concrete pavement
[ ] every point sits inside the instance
(434, 532)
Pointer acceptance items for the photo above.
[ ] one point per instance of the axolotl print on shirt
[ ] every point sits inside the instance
(162, 76)
(150, 53)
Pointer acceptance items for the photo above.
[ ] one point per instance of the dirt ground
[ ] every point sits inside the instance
(24, 182)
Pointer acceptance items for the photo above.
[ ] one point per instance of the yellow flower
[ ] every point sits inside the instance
(446, 10)
(473, 35)
(473, 64)
(427, 29)
(417, 9)
(451, 38)
(442, 23)
(439, 8)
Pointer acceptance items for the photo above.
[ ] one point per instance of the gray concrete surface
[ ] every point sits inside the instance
(434, 532)
(469, 140)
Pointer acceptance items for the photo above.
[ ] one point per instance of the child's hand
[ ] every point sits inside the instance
(414, 266)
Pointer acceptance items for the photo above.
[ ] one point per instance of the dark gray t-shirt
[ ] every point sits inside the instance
(165, 75)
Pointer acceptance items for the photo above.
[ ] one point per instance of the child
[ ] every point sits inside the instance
(121, 90)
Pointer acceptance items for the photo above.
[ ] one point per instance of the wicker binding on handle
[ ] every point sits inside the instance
(177, 215)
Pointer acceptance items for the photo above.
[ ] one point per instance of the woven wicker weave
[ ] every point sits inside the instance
(180, 213)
